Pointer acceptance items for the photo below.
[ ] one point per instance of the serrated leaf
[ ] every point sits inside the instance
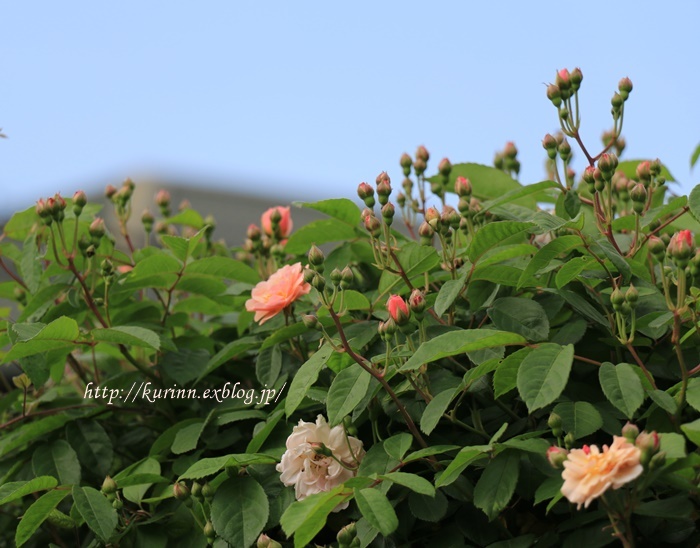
(497, 484)
(305, 378)
(546, 254)
(449, 291)
(128, 335)
(224, 267)
(36, 514)
(664, 400)
(239, 511)
(135, 493)
(96, 510)
(61, 333)
(494, 234)
(518, 193)
(622, 387)
(692, 431)
(305, 518)
(460, 342)
(506, 376)
(319, 232)
(414, 482)
(347, 390)
(580, 418)
(464, 458)
(187, 438)
(231, 350)
(436, 409)
(522, 316)
(543, 374)
(339, 208)
(377, 510)
(692, 394)
(694, 202)
(17, 489)
(210, 466)
(396, 446)
(92, 445)
(57, 459)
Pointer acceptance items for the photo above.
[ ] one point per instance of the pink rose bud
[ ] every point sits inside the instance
(253, 232)
(554, 94)
(41, 209)
(60, 202)
(147, 219)
(184, 204)
(444, 167)
(365, 191)
(510, 150)
(422, 154)
(110, 191)
(576, 77)
(657, 247)
(383, 176)
(557, 456)
(425, 230)
(432, 214)
(284, 223)
(463, 187)
(417, 301)
(644, 171)
(163, 198)
(419, 166)
(97, 230)
(630, 432)
(681, 247)
(372, 224)
(398, 310)
(563, 79)
(625, 87)
(405, 162)
(79, 199)
(549, 142)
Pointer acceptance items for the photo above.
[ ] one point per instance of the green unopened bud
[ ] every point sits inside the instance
(630, 432)
(318, 281)
(557, 456)
(106, 268)
(554, 423)
(308, 275)
(564, 150)
(208, 491)
(632, 296)
(616, 101)
(554, 94)
(22, 381)
(347, 535)
(373, 226)
(607, 164)
(209, 531)
(117, 504)
(79, 202)
(97, 231)
(347, 277)
(366, 194)
(336, 276)
(444, 167)
(405, 162)
(109, 486)
(320, 448)
(196, 490)
(181, 491)
(388, 213)
(310, 321)
(657, 248)
(316, 258)
(657, 461)
(569, 440)
(639, 197)
(576, 77)
(625, 87)
(266, 542)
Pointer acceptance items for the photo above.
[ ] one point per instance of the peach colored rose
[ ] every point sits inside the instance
(273, 295)
(285, 225)
(588, 472)
(397, 309)
(305, 463)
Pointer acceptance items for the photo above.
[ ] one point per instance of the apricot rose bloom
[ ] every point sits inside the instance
(588, 472)
(273, 295)
(306, 464)
(285, 225)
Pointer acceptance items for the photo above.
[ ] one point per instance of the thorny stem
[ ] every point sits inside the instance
(385, 384)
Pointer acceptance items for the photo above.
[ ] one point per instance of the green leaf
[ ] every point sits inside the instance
(184, 365)
(36, 514)
(61, 333)
(17, 489)
(396, 446)
(268, 365)
(182, 248)
(543, 374)
(231, 350)
(494, 234)
(505, 378)
(616, 259)
(449, 291)
(517, 193)
(377, 510)
(339, 208)
(580, 418)
(573, 267)
(694, 202)
(187, 438)
(692, 394)
(678, 507)
(305, 518)
(558, 246)
(673, 445)
(694, 157)
(224, 267)
(460, 342)
(692, 431)
(622, 387)
(210, 466)
(305, 378)
(415, 259)
(436, 409)
(497, 484)
(128, 335)
(664, 400)
(136, 493)
(347, 390)
(92, 444)
(96, 510)
(487, 181)
(263, 433)
(57, 459)
(464, 458)
(548, 489)
(412, 481)
(239, 511)
(522, 316)
(187, 217)
(584, 307)
(429, 451)
(319, 232)
(430, 509)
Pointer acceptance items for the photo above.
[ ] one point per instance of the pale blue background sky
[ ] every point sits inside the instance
(307, 99)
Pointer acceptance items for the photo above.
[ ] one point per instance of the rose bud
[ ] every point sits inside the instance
(366, 194)
(681, 247)
(657, 247)
(398, 310)
(463, 187)
(316, 256)
(444, 167)
(181, 491)
(510, 150)
(417, 302)
(110, 191)
(625, 87)
(405, 162)
(576, 77)
(109, 486)
(347, 277)
(644, 172)
(310, 322)
(388, 213)
(630, 431)
(266, 542)
(564, 150)
(97, 230)
(639, 197)
(147, 220)
(557, 456)
(554, 94)
(373, 226)
(607, 164)
(79, 202)
(422, 154)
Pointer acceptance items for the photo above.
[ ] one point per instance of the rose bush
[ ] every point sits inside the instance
(440, 367)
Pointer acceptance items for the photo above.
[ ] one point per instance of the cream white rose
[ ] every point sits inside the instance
(310, 472)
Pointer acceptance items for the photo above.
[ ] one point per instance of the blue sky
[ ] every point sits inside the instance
(307, 99)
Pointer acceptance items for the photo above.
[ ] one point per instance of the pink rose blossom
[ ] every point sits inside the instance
(271, 296)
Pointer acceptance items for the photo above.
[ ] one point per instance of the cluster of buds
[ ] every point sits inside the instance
(624, 302)
(648, 444)
(566, 85)
(110, 490)
(52, 209)
(121, 197)
(507, 159)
